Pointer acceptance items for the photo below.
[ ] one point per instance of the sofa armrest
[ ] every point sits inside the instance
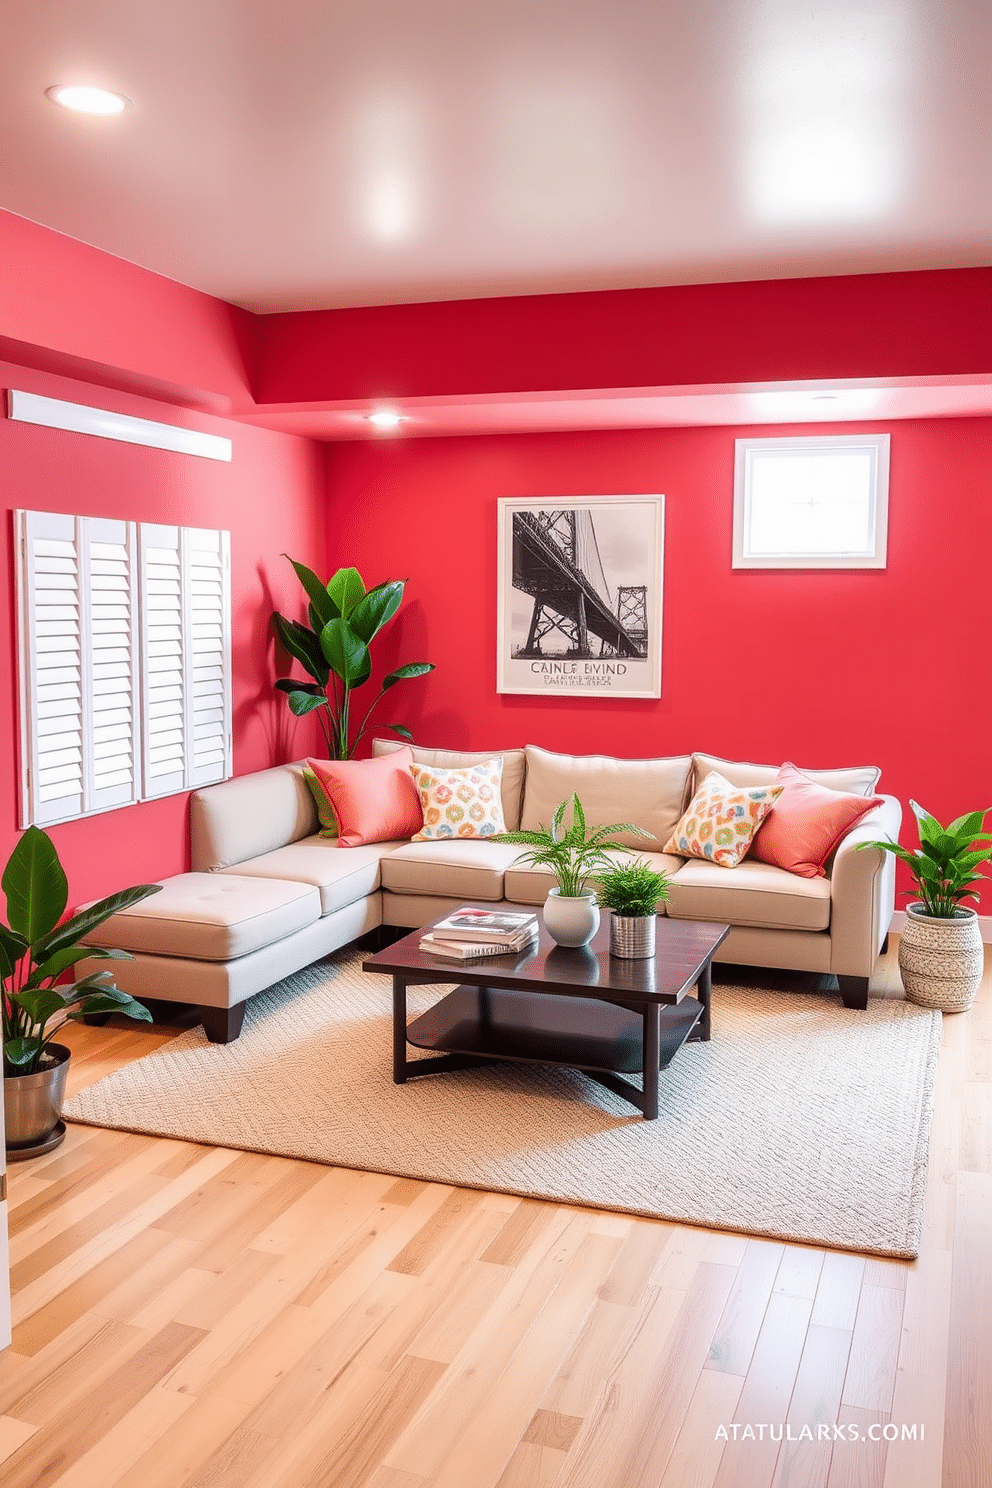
(863, 892)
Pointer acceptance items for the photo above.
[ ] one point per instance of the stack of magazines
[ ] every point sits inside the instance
(468, 932)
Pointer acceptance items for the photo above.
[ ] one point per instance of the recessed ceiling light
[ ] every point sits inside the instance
(85, 100)
(384, 418)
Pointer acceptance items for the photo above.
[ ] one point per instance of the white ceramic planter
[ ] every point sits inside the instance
(571, 922)
(940, 960)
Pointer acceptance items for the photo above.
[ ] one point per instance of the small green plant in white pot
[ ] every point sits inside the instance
(632, 892)
(940, 950)
(573, 854)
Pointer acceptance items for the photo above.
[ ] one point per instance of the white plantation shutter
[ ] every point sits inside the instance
(78, 658)
(186, 671)
(51, 674)
(163, 689)
(206, 573)
(125, 670)
(110, 682)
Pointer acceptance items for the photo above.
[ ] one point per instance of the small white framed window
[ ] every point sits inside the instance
(811, 502)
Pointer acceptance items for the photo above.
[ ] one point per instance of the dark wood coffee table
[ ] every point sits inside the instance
(583, 1009)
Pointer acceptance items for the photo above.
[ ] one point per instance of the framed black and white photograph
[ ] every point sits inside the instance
(580, 595)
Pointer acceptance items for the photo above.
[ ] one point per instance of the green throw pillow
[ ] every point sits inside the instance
(325, 811)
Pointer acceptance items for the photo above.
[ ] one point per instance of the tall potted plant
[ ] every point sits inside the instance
(573, 853)
(333, 650)
(940, 950)
(35, 950)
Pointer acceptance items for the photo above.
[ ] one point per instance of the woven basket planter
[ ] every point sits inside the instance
(941, 961)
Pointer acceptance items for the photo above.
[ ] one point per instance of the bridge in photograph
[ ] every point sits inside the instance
(556, 561)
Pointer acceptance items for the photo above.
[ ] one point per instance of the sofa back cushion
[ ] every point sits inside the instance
(511, 786)
(651, 793)
(249, 815)
(857, 780)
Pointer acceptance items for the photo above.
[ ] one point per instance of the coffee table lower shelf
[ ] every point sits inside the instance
(475, 1025)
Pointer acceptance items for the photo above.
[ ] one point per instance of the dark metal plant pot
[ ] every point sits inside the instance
(32, 1104)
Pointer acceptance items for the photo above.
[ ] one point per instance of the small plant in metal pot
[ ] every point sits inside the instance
(574, 854)
(35, 951)
(632, 892)
(940, 949)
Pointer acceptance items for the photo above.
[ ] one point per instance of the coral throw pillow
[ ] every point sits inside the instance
(374, 800)
(460, 803)
(806, 824)
(721, 820)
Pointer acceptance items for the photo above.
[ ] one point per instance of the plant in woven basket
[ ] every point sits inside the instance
(572, 853)
(945, 863)
(632, 889)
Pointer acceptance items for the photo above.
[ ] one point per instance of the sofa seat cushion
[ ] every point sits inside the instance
(528, 885)
(343, 875)
(650, 793)
(467, 868)
(211, 917)
(751, 894)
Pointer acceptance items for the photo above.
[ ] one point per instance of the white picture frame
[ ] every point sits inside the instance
(580, 596)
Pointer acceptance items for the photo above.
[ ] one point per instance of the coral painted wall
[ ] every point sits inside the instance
(828, 668)
(270, 497)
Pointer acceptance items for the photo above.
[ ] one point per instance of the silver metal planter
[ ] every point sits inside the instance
(32, 1104)
(633, 936)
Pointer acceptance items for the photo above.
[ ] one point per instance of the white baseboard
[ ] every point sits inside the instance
(985, 921)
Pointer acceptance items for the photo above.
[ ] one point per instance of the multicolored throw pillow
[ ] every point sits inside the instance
(721, 820)
(459, 803)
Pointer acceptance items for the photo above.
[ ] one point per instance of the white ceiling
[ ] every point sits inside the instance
(289, 154)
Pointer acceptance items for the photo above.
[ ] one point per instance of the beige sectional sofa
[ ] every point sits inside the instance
(267, 895)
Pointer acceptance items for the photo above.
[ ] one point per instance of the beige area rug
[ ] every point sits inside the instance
(799, 1120)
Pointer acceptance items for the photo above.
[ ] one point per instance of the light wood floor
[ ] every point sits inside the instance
(190, 1315)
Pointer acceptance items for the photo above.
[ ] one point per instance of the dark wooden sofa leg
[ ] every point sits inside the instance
(222, 1025)
(854, 991)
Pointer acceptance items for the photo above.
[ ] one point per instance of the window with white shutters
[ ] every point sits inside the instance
(124, 633)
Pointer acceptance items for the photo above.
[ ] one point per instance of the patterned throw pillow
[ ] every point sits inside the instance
(721, 820)
(459, 803)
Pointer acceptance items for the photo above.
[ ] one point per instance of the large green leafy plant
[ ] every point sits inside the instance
(333, 650)
(35, 950)
(944, 865)
(572, 853)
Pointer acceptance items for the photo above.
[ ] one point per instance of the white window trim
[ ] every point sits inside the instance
(874, 558)
(207, 742)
